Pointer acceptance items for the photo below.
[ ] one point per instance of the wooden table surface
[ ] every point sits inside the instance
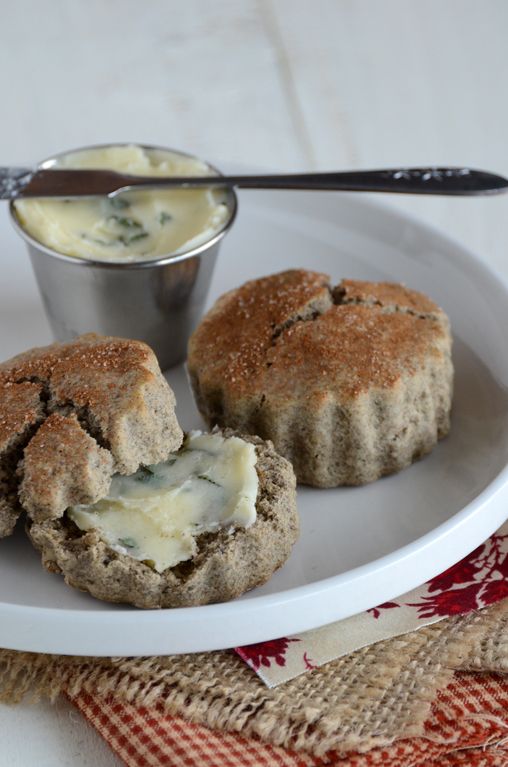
(281, 84)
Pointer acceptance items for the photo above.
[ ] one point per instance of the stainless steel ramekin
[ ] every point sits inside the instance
(159, 301)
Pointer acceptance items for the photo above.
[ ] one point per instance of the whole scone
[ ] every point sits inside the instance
(228, 562)
(73, 414)
(349, 382)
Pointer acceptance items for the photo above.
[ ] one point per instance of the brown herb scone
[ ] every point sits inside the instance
(73, 414)
(226, 562)
(349, 382)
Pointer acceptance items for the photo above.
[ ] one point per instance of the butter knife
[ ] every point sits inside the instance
(17, 183)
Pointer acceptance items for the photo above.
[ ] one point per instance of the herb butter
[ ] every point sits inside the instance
(134, 226)
(156, 514)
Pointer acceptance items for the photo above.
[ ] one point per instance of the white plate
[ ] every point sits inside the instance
(358, 546)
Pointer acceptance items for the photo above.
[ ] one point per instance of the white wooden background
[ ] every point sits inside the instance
(284, 84)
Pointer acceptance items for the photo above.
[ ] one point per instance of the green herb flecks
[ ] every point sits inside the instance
(164, 218)
(127, 543)
(119, 203)
(207, 479)
(97, 240)
(126, 221)
(134, 238)
(144, 474)
(132, 230)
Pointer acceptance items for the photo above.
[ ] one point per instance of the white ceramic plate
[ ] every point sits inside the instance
(358, 546)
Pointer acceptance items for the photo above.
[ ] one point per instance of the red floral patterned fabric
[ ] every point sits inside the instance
(478, 580)
(266, 653)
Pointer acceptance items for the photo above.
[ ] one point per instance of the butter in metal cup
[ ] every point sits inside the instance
(157, 301)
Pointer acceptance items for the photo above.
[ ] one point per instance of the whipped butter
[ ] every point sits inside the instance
(156, 514)
(133, 226)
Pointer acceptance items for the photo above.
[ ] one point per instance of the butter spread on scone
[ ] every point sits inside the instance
(229, 560)
(156, 514)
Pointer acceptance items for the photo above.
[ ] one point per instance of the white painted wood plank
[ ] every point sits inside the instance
(194, 74)
(51, 736)
(389, 81)
(404, 82)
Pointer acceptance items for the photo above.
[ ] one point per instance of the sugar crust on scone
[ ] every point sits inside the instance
(349, 382)
(73, 414)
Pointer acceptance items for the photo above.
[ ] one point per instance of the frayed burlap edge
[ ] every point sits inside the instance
(368, 699)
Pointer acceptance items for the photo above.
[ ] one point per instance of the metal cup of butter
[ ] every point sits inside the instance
(158, 301)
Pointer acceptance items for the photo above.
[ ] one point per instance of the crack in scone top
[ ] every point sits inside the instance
(293, 333)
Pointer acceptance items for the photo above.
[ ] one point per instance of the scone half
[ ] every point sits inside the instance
(227, 561)
(72, 414)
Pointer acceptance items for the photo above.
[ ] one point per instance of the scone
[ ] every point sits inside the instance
(349, 382)
(71, 415)
(214, 520)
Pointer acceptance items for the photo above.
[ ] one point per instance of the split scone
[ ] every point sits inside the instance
(92, 451)
(214, 520)
(71, 415)
(349, 382)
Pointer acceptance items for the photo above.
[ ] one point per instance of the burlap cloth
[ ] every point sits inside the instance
(370, 698)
